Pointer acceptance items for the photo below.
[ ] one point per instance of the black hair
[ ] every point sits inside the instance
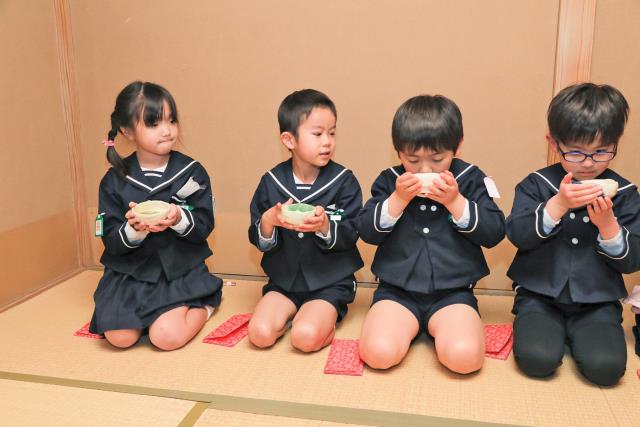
(138, 101)
(297, 106)
(584, 112)
(432, 122)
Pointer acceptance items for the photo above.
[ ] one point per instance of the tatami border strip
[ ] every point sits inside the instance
(194, 414)
(279, 408)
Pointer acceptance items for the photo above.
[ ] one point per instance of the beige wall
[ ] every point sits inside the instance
(616, 62)
(229, 65)
(37, 234)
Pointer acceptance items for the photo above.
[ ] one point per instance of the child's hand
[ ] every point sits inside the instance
(318, 222)
(601, 215)
(273, 218)
(577, 195)
(571, 196)
(408, 186)
(446, 192)
(173, 217)
(133, 220)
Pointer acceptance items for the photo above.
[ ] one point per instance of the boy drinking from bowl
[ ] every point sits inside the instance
(429, 254)
(574, 242)
(310, 261)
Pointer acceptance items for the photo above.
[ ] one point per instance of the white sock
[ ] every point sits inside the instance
(210, 309)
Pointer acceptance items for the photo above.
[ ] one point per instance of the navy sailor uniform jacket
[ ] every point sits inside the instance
(167, 251)
(320, 263)
(425, 251)
(570, 255)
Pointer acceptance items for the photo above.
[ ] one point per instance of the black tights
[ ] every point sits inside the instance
(598, 348)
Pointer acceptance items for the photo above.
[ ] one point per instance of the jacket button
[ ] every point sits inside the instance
(423, 208)
(433, 208)
(425, 230)
(572, 215)
(585, 219)
(574, 241)
(301, 235)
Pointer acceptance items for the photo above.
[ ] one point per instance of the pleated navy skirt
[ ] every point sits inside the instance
(122, 302)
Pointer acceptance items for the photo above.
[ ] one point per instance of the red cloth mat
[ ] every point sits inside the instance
(344, 358)
(498, 341)
(84, 332)
(230, 332)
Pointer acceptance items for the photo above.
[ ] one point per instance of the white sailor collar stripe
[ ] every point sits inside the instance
(310, 196)
(547, 181)
(163, 184)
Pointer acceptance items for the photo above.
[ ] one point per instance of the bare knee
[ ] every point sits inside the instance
(166, 336)
(462, 356)
(381, 353)
(307, 337)
(262, 334)
(122, 338)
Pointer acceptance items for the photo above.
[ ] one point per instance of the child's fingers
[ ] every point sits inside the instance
(407, 178)
(447, 177)
(441, 185)
(132, 204)
(567, 178)
(590, 211)
(582, 190)
(283, 222)
(584, 200)
(319, 211)
(603, 204)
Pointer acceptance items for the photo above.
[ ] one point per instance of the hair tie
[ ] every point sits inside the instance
(108, 142)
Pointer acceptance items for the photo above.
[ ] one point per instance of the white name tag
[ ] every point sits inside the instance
(492, 189)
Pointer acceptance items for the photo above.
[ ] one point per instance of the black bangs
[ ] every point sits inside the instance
(151, 107)
(584, 113)
(430, 122)
(138, 100)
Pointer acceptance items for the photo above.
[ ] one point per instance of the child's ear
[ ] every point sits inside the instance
(128, 133)
(288, 140)
(459, 149)
(552, 144)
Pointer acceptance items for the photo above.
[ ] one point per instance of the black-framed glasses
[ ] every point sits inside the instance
(579, 156)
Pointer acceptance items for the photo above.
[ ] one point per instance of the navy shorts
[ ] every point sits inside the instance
(423, 306)
(339, 295)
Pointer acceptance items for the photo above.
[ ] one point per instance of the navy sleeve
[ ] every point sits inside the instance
(260, 203)
(368, 222)
(525, 227)
(344, 234)
(486, 221)
(627, 209)
(201, 215)
(113, 209)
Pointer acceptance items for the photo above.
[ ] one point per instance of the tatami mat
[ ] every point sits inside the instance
(213, 417)
(37, 339)
(31, 404)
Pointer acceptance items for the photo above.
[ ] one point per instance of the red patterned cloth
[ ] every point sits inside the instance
(84, 332)
(344, 358)
(498, 341)
(230, 332)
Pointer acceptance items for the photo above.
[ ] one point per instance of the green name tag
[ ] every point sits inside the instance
(336, 215)
(100, 225)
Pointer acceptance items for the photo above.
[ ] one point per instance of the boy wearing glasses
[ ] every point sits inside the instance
(574, 243)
